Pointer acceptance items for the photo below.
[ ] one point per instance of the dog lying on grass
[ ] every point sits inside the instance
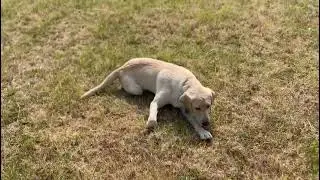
(171, 84)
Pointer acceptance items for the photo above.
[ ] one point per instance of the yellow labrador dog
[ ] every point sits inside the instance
(171, 84)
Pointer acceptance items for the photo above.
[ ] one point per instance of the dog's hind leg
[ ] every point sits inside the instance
(130, 86)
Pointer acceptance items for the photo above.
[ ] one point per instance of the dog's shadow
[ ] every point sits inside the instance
(167, 115)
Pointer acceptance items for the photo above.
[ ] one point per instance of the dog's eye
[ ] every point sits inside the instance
(197, 108)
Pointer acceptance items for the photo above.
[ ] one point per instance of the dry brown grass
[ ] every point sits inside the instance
(260, 56)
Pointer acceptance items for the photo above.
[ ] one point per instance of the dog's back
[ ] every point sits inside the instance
(157, 65)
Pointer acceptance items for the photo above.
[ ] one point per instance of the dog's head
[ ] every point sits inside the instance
(197, 104)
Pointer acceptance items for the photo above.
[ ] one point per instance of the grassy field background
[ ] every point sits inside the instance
(261, 57)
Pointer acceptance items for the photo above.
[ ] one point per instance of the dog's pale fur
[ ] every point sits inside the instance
(171, 84)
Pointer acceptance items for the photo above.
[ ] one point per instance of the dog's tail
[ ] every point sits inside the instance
(108, 80)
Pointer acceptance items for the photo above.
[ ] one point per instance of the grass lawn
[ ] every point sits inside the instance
(260, 56)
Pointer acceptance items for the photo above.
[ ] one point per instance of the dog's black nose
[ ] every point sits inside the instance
(205, 123)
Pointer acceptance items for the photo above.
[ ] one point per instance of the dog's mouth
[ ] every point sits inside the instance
(206, 125)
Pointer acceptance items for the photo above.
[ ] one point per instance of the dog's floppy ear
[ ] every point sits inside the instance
(185, 99)
(213, 95)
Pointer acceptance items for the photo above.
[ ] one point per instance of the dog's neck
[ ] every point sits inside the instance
(189, 84)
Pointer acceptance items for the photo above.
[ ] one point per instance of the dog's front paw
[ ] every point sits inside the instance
(205, 135)
(151, 124)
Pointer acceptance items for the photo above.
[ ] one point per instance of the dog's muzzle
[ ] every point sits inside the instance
(206, 125)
